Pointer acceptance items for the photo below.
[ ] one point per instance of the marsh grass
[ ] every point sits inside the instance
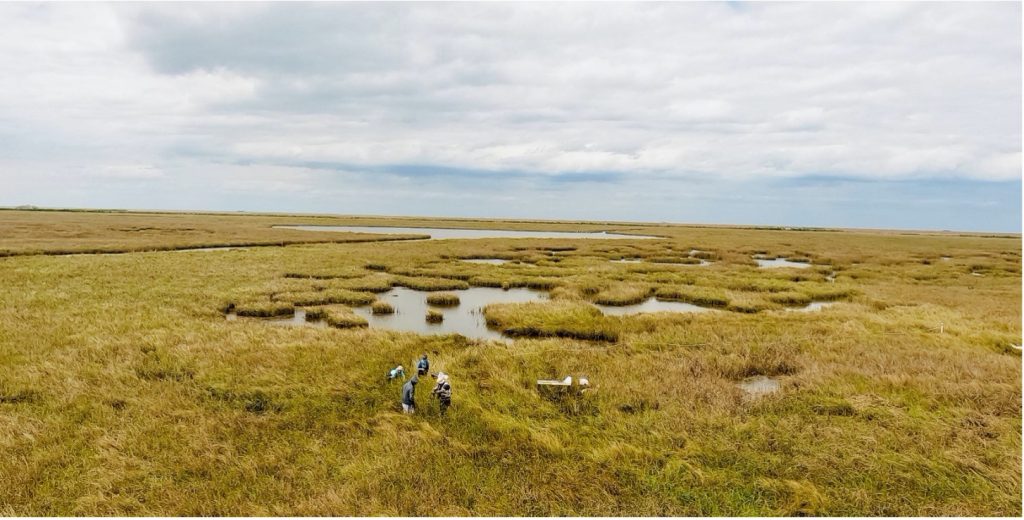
(316, 313)
(327, 274)
(124, 392)
(563, 319)
(702, 296)
(262, 309)
(623, 294)
(749, 303)
(443, 299)
(430, 284)
(682, 260)
(373, 284)
(327, 296)
(434, 316)
(343, 318)
(381, 307)
(790, 298)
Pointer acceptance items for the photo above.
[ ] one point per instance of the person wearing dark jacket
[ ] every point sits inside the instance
(423, 366)
(409, 395)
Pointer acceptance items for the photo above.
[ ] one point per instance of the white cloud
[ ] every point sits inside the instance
(128, 171)
(674, 90)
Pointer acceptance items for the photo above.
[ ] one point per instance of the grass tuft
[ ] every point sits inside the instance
(382, 307)
(264, 309)
(445, 299)
(344, 318)
(623, 294)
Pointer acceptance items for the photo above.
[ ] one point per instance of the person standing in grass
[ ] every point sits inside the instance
(423, 366)
(409, 395)
(443, 391)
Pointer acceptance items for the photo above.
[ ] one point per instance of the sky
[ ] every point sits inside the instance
(878, 115)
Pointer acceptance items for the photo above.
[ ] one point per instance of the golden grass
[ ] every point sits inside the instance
(703, 296)
(621, 294)
(262, 309)
(90, 232)
(343, 318)
(373, 284)
(124, 391)
(563, 319)
(446, 299)
(430, 284)
(434, 316)
(382, 307)
(326, 297)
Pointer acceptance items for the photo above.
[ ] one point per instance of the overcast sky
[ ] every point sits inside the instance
(856, 115)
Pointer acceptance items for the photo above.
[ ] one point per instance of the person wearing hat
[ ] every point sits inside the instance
(423, 366)
(395, 372)
(443, 391)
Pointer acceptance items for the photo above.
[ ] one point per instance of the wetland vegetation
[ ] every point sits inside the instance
(125, 391)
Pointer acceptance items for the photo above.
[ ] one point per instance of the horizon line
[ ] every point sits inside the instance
(767, 227)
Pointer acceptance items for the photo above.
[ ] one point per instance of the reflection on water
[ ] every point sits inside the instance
(492, 261)
(758, 386)
(650, 305)
(411, 307)
(218, 248)
(813, 306)
(780, 262)
(229, 248)
(297, 320)
(447, 233)
(702, 262)
(467, 318)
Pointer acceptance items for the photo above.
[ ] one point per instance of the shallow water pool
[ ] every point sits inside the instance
(758, 386)
(450, 233)
(780, 262)
(650, 305)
